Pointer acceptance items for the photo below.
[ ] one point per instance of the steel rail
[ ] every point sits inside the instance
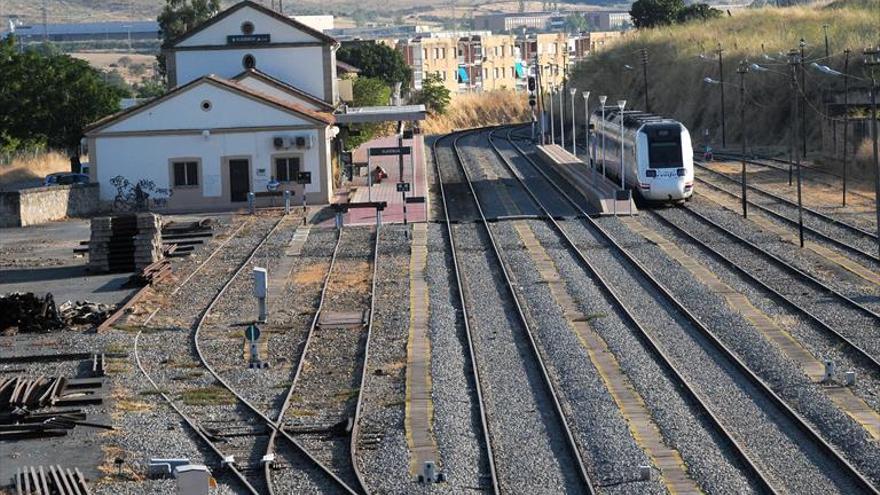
(650, 342)
(475, 369)
(793, 416)
(859, 353)
(357, 411)
(202, 358)
(300, 362)
(854, 229)
(802, 275)
(570, 441)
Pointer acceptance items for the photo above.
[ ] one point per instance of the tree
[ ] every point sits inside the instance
(376, 60)
(697, 12)
(654, 13)
(150, 88)
(49, 99)
(576, 23)
(368, 91)
(434, 95)
(179, 16)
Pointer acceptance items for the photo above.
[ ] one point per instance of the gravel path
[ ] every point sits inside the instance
(846, 320)
(786, 377)
(457, 425)
(382, 448)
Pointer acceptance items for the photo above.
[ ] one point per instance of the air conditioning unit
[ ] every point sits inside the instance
(282, 142)
(304, 142)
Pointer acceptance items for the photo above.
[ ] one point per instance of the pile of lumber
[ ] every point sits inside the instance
(25, 313)
(21, 397)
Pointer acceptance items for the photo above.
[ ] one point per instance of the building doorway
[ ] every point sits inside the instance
(239, 180)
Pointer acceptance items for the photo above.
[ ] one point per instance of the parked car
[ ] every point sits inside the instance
(65, 178)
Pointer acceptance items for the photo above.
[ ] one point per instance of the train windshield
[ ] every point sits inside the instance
(664, 148)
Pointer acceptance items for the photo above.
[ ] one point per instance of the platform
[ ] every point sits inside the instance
(359, 191)
(600, 192)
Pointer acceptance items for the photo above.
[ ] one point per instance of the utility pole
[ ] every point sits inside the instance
(803, 92)
(742, 70)
(827, 51)
(45, 23)
(562, 114)
(845, 116)
(794, 60)
(719, 51)
(872, 59)
(645, 74)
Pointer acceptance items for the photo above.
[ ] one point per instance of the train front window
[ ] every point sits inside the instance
(664, 149)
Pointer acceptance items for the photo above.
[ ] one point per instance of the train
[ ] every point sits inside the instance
(658, 157)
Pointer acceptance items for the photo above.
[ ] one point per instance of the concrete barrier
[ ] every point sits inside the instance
(38, 205)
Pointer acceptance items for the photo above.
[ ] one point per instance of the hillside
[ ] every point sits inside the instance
(676, 69)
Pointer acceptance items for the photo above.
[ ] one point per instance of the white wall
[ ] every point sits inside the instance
(268, 89)
(280, 31)
(301, 67)
(147, 157)
(228, 109)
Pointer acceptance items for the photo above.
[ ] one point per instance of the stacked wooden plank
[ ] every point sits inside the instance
(21, 396)
(53, 480)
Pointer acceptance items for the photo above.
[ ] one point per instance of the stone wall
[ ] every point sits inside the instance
(44, 204)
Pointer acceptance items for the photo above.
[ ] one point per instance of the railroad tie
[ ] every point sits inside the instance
(851, 404)
(645, 432)
(832, 257)
(419, 402)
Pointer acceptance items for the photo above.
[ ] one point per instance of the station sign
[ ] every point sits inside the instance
(304, 178)
(403, 187)
(247, 39)
(391, 151)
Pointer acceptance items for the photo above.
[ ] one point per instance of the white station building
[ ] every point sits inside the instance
(254, 95)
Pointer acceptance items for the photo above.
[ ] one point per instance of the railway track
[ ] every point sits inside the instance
(845, 236)
(519, 408)
(322, 405)
(844, 477)
(249, 425)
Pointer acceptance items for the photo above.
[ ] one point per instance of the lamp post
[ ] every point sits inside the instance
(586, 95)
(645, 75)
(803, 92)
(562, 115)
(602, 100)
(719, 51)
(621, 104)
(572, 92)
(742, 70)
(552, 119)
(794, 60)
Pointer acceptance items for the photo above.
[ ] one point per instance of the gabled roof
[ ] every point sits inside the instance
(272, 81)
(312, 115)
(260, 8)
(344, 68)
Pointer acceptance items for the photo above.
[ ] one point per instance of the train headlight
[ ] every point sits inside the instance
(650, 173)
(681, 172)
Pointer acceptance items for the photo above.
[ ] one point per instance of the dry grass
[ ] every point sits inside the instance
(207, 396)
(355, 278)
(676, 72)
(479, 109)
(311, 274)
(30, 166)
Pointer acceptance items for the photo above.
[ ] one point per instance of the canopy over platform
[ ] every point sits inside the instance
(362, 115)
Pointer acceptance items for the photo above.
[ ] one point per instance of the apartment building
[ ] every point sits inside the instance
(609, 21)
(551, 50)
(466, 61)
(530, 21)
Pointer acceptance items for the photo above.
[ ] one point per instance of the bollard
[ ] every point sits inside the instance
(305, 209)
(287, 202)
(339, 220)
(378, 218)
(261, 290)
(252, 202)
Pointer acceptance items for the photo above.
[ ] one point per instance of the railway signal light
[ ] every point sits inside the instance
(532, 84)
(532, 101)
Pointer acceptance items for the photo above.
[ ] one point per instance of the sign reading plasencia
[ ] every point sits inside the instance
(390, 151)
(247, 39)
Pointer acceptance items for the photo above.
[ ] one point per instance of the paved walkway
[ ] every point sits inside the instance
(387, 189)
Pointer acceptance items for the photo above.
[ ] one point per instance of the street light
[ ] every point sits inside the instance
(872, 59)
(602, 100)
(795, 60)
(552, 119)
(742, 70)
(621, 104)
(562, 115)
(792, 138)
(720, 50)
(573, 91)
(586, 95)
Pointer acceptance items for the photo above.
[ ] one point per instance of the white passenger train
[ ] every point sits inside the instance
(658, 157)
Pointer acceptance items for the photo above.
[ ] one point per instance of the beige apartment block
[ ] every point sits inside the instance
(552, 52)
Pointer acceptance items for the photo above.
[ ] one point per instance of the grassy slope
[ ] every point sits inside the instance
(676, 71)
(479, 109)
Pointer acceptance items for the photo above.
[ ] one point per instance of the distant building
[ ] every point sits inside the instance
(609, 21)
(323, 23)
(510, 22)
(378, 32)
(91, 31)
(551, 50)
